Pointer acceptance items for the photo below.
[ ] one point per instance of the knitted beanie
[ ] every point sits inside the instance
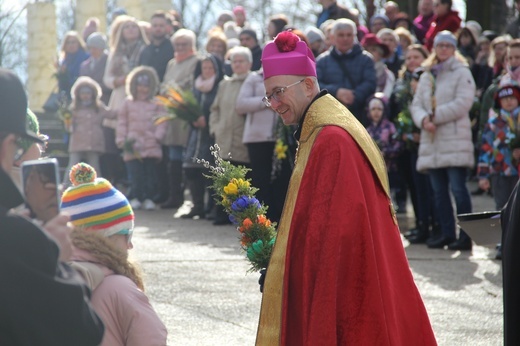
(95, 204)
(34, 126)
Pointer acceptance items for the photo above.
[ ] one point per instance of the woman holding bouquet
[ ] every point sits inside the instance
(225, 123)
(208, 74)
(418, 183)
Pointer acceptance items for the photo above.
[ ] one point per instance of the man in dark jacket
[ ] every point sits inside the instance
(347, 71)
(331, 10)
(43, 301)
(248, 39)
(160, 50)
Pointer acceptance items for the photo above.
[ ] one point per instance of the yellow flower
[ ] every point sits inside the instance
(225, 201)
(231, 189)
(241, 183)
(280, 149)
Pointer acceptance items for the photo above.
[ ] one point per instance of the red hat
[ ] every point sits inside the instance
(288, 55)
(239, 9)
(509, 89)
(372, 40)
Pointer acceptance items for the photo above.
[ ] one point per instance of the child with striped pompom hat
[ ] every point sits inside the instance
(104, 223)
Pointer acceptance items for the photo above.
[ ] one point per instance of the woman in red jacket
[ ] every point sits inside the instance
(445, 19)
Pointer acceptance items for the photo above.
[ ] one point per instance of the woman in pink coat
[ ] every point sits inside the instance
(104, 222)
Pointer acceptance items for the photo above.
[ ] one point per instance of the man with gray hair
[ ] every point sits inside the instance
(346, 70)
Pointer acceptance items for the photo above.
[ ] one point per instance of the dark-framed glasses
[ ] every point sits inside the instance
(278, 93)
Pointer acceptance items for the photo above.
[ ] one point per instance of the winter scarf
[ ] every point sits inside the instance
(204, 85)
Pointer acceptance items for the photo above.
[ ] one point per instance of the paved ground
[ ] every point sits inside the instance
(196, 278)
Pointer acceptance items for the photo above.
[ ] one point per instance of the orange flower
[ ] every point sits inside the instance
(164, 101)
(247, 223)
(175, 95)
(261, 219)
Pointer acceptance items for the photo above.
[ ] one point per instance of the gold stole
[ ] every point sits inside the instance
(324, 111)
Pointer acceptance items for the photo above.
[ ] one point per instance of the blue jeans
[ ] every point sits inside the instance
(444, 179)
(176, 153)
(143, 176)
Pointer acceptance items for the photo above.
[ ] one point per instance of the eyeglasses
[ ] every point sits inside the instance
(278, 94)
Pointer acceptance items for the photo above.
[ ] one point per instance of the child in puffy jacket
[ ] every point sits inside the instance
(499, 157)
(139, 137)
(87, 139)
(384, 133)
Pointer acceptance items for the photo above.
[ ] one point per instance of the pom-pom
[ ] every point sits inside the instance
(82, 173)
(286, 41)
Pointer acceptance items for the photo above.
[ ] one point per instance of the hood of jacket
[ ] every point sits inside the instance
(131, 85)
(218, 66)
(82, 82)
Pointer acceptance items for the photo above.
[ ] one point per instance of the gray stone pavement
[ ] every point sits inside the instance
(196, 278)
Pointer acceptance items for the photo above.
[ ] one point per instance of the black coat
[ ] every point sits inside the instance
(510, 220)
(42, 302)
(199, 140)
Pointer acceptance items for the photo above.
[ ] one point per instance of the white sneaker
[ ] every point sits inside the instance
(135, 204)
(148, 204)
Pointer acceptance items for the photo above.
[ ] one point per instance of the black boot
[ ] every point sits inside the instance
(463, 243)
(421, 235)
(412, 231)
(197, 186)
(176, 198)
(435, 233)
(440, 242)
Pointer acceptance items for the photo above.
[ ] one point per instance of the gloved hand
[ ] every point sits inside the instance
(262, 279)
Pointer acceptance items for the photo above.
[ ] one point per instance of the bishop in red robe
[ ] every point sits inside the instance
(338, 274)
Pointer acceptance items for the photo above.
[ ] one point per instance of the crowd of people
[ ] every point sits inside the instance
(389, 59)
(439, 98)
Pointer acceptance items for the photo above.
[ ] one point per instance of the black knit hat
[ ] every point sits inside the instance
(13, 108)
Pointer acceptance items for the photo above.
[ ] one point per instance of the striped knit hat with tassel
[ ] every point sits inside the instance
(95, 204)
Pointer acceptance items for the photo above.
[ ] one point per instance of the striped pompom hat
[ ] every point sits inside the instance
(95, 204)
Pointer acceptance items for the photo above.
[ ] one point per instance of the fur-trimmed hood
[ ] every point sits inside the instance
(89, 82)
(131, 85)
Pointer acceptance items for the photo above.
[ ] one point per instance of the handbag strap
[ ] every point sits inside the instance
(343, 68)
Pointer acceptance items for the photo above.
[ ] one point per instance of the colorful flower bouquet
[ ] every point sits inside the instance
(235, 193)
(179, 104)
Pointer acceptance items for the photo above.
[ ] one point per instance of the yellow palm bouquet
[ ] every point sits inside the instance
(179, 104)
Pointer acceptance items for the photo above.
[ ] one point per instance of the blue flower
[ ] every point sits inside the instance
(233, 219)
(243, 202)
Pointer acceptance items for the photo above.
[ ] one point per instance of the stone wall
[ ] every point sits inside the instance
(91, 8)
(41, 47)
(132, 7)
(150, 6)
